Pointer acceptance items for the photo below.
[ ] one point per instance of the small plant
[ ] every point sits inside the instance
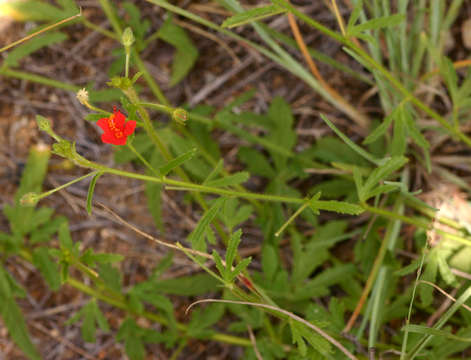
(333, 219)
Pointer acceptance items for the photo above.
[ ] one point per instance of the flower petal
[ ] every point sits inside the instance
(119, 119)
(108, 138)
(129, 127)
(103, 123)
(120, 141)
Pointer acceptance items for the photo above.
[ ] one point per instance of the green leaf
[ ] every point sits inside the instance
(65, 239)
(31, 46)
(133, 344)
(399, 141)
(355, 15)
(202, 319)
(197, 236)
(172, 164)
(414, 131)
(110, 276)
(430, 274)
(215, 172)
(381, 129)
(91, 190)
(230, 180)
(231, 252)
(44, 233)
(91, 259)
(257, 163)
(380, 173)
(341, 207)
(378, 23)
(186, 53)
(252, 15)
(349, 142)
(420, 329)
(48, 268)
(13, 318)
(282, 132)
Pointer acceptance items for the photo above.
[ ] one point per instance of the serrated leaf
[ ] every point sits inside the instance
(241, 266)
(13, 318)
(231, 252)
(172, 164)
(257, 163)
(202, 319)
(48, 268)
(252, 15)
(413, 130)
(381, 129)
(231, 180)
(197, 236)
(33, 45)
(381, 173)
(341, 207)
(129, 332)
(110, 276)
(91, 190)
(215, 172)
(349, 142)
(186, 53)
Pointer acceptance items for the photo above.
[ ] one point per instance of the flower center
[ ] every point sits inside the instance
(117, 132)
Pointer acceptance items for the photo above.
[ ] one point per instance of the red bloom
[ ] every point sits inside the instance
(116, 128)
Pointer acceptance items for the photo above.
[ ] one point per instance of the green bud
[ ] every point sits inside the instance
(128, 37)
(64, 148)
(43, 123)
(29, 199)
(120, 83)
(180, 116)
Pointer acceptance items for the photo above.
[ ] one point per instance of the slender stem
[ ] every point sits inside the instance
(110, 14)
(99, 29)
(290, 220)
(36, 33)
(63, 186)
(126, 66)
(37, 78)
(144, 161)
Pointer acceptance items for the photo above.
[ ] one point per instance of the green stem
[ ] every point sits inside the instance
(110, 14)
(144, 161)
(4, 70)
(47, 193)
(99, 29)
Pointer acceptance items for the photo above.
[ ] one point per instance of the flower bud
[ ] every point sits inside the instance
(180, 116)
(64, 148)
(128, 37)
(82, 96)
(29, 199)
(43, 123)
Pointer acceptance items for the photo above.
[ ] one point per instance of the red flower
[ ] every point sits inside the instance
(116, 128)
